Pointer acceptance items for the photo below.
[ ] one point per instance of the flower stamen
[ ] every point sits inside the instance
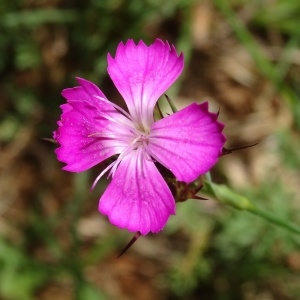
(140, 141)
(117, 107)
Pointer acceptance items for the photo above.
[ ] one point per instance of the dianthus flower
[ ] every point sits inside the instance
(92, 129)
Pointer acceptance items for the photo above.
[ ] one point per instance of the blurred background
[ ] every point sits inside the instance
(244, 57)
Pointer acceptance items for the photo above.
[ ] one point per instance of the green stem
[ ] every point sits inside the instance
(275, 220)
(225, 195)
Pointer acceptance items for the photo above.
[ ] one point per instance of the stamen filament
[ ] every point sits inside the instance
(112, 168)
(112, 136)
(117, 107)
(102, 173)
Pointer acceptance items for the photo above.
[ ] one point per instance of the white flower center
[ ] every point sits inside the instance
(140, 141)
(137, 137)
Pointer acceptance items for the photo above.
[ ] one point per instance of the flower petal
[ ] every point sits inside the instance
(142, 74)
(189, 142)
(85, 93)
(90, 130)
(137, 198)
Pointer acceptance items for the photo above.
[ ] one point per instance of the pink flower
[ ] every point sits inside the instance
(92, 129)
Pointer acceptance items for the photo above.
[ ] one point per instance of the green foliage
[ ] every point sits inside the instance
(19, 276)
(289, 149)
(282, 16)
(237, 247)
(276, 72)
(246, 235)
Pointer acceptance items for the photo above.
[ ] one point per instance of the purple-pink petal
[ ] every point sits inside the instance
(142, 74)
(189, 142)
(78, 148)
(85, 92)
(86, 134)
(137, 198)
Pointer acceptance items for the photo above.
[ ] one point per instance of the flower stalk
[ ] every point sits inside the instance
(225, 195)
